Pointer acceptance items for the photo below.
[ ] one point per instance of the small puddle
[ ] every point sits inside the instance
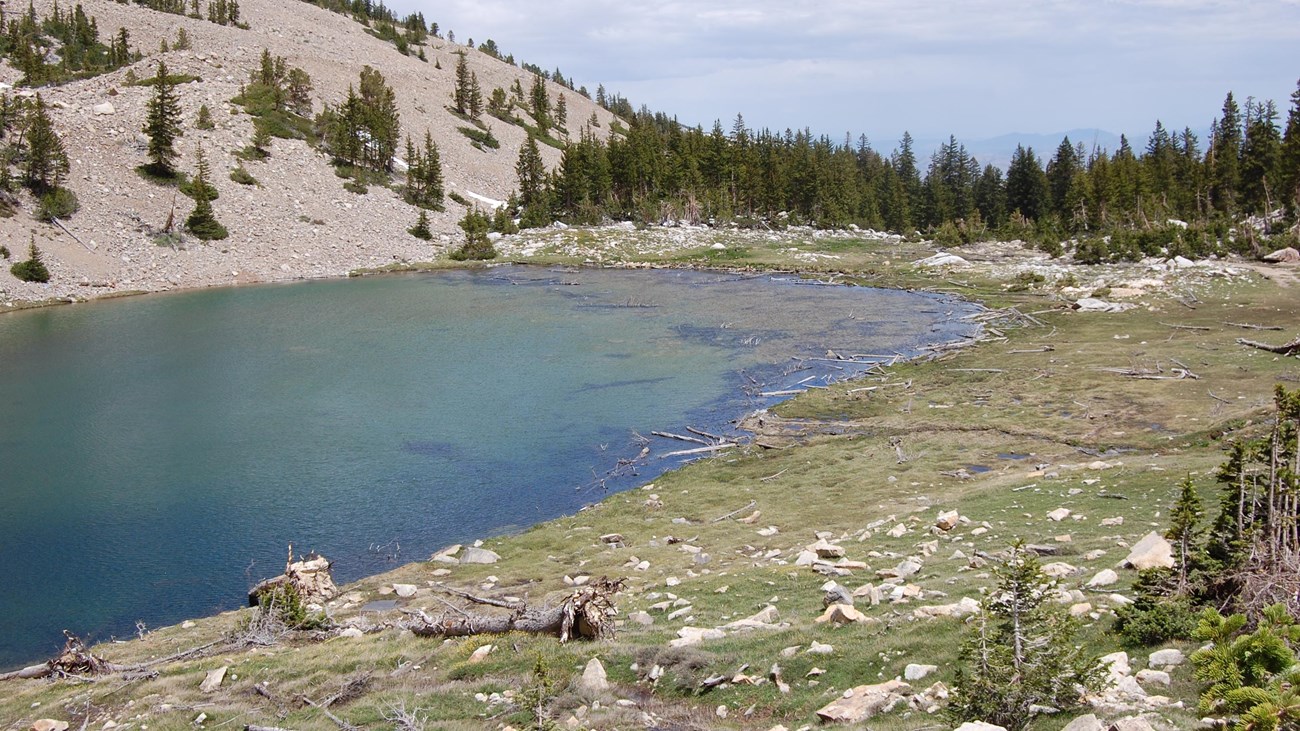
(380, 605)
(978, 469)
(1012, 455)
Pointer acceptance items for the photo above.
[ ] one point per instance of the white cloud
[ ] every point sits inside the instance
(973, 67)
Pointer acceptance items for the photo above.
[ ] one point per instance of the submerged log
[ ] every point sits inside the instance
(586, 612)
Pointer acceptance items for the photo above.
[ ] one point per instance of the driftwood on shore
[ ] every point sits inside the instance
(587, 612)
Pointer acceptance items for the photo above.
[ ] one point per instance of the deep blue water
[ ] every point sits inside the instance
(157, 454)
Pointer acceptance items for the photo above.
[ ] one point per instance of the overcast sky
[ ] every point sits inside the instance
(974, 68)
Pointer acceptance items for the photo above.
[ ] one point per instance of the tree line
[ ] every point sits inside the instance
(660, 169)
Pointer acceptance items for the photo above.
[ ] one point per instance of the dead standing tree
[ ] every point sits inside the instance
(586, 612)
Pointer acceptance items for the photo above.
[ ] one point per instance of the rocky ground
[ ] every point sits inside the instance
(299, 222)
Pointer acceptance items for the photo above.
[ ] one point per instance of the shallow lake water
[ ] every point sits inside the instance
(157, 454)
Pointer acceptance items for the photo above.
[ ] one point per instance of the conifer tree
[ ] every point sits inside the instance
(421, 228)
(1289, 157)
(45, 161)
(477, 245)
(1026, 184)
(561, 112)
(1259, 157)
(1185, 531)
(162, 125)
(204, 120)
(460, 93)
(1225, 153)
(475, 101)
(1020, 652)
(32, 269)
(201, 222)
(540, 104)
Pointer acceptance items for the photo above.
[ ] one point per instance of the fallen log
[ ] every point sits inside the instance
(586, 612)
(1288, 349)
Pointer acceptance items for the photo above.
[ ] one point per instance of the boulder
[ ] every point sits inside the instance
(1086, 722)
(1105, 577)
(897, 531)
(405, 591)
(765, 618)
(687, 636)
(966, 606)
(49, 724)
(1153, 677)
(947, 520)
(1132, 723)
(1092, 304)
(479, 555)
(106, 108)
(352, 633)
(1059, 514)
(311, 578)
(903, 570)
(833, 593)
(865, 701)
(978, 726)
(1153, 551)
(1281, 256)
(1058, 569)
(594, 680)
(212, 681)
(916, 672)
(826, 549)
(842, 614)
(1166, 658)
(481, 654)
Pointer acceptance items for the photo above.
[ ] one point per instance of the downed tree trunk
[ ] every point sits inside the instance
(587, 612)
(1290, 348)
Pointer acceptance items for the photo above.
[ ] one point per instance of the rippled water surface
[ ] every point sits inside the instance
(157, 454)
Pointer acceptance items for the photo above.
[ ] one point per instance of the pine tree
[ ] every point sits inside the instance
(561, 112)
(421, 228)
(540, 104)
(477, 245)
(1259, 158)
(1020, 652)
(1027, 190)
(204, 120)
(475, 101)
(162, 125)
(460, 93)
(33, 269)
(1225, 154)
(201, 222)
(1061, 172)
(45, 162)
(1289, 157)
(1185, 531)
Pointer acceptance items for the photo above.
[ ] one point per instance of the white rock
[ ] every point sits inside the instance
(405, 591)
(479, 555)
(594, 681)
(916, 672)
(941, 260)
(1105, 577)
(481, 653)
(1153, 551)
(817, 648)
(212, 681)
(103, 109)
(1166, 658)
(1153, 677)
(979, 726)
(687, 636)
(1087, 722)
(1059, 514)
(1058, 569)
(352, 632)
(947, 520)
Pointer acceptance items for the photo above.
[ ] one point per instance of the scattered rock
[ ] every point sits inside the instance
(941, 260)
(979, 726)
(868, 592)
(212, 681)
(842, 614)
(481, 654)
(817, 648)
(1059, 514)
(1153, 551)
(1105, 577)
(897, 531)
(865, 701)
(1153, 677)
(1082, 609)
(826, 549)
(1092, 304)
(352, 632)
(947, 520)
(49, 724)
(687, 636)
(1166, 658)
(1087, 722)
(917, 672)
(965, 607)
(479, 555)
(641, 618)
(594, 680)
(1283, 256)
(405, 591)
(833, 593)
(1132, 723)
(906, 568)
(1112, 522)
(765, 618)
(103, 109)
(1058, 569)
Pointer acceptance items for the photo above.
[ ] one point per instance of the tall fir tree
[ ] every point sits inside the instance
(1289, 157)
(1260, 153)
(1225, 154)
(45, 162)
(202, 222)
(162, 124)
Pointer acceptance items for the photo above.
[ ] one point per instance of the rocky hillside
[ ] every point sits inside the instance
(299, 221)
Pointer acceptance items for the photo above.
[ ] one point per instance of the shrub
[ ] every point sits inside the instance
(58, 203)
(421, 228)
(241, 175)
(477, 244)
(33, 269)
(482, 139)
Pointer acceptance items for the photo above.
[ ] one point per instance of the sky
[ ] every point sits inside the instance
(972, 68)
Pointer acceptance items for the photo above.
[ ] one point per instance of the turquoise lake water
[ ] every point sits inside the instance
(158, 453)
